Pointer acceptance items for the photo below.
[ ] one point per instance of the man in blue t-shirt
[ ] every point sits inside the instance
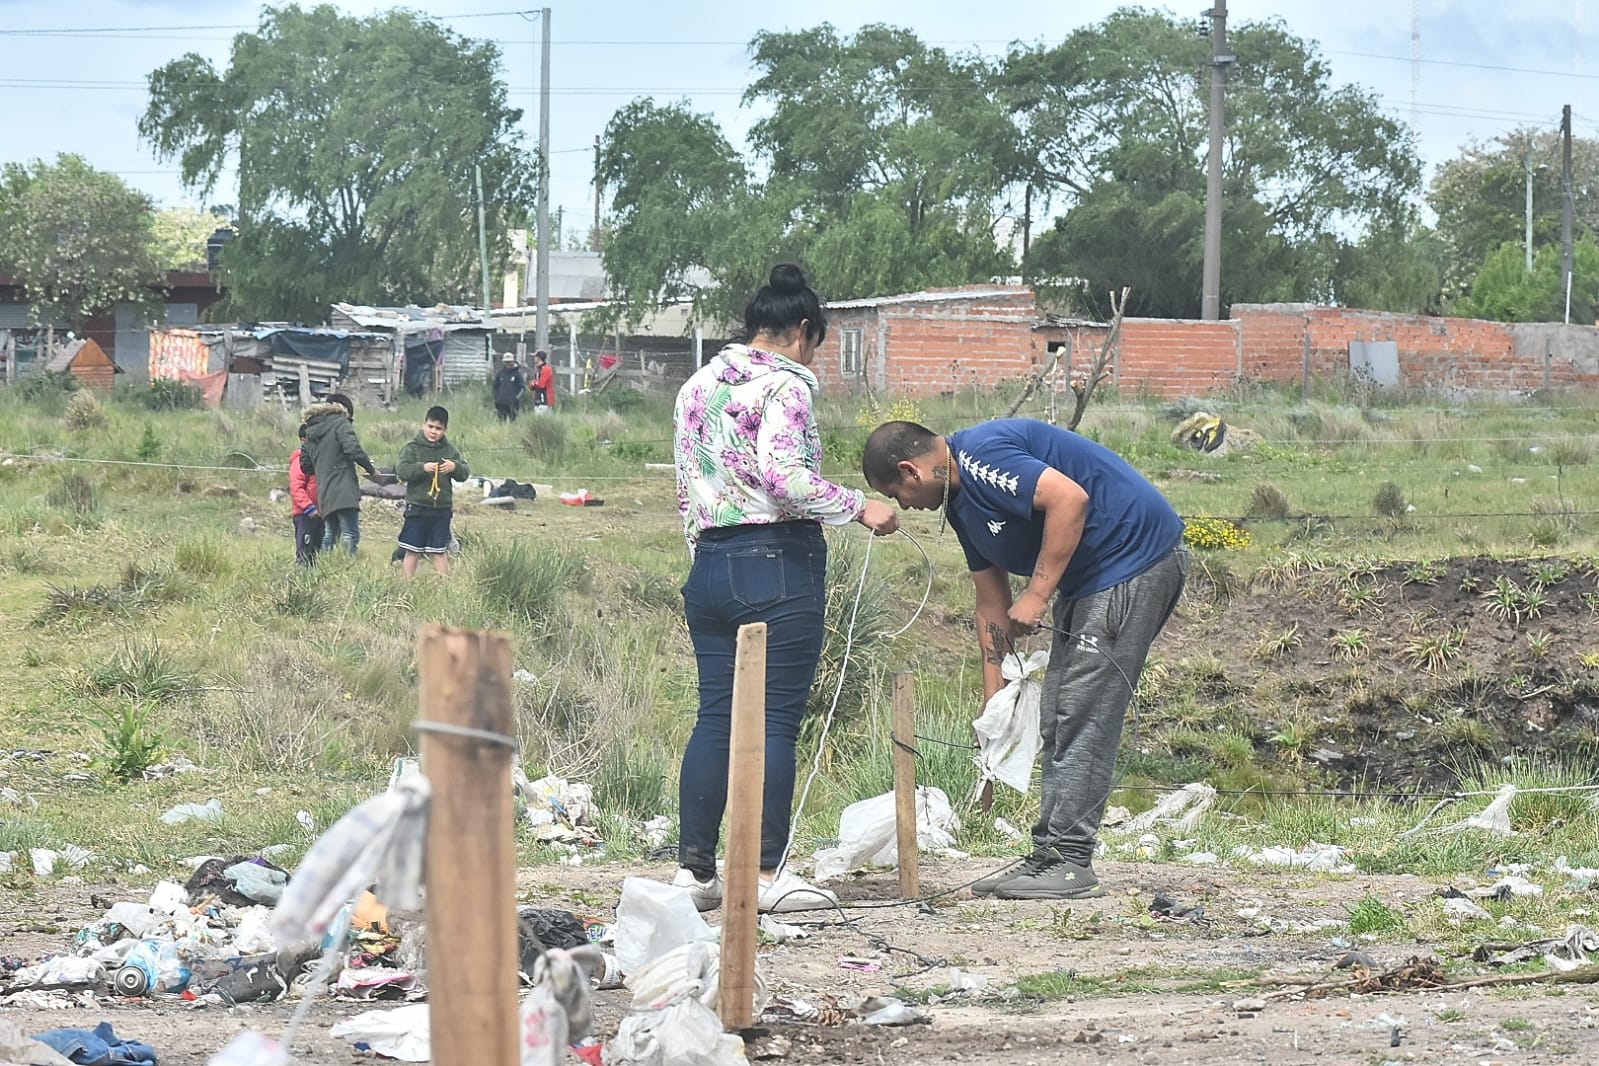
(1074, 518)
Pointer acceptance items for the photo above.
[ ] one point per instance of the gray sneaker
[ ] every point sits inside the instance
(1025, 865)
(1050, 878)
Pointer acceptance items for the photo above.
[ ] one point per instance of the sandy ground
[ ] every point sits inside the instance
(914, 949)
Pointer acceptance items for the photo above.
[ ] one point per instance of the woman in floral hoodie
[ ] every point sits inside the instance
(753, 500)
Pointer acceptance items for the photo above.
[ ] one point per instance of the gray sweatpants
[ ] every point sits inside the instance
(1101, 642)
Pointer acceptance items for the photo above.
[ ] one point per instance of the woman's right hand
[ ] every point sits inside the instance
(879, 517)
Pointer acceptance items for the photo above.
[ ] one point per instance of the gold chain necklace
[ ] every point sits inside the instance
(949, 472)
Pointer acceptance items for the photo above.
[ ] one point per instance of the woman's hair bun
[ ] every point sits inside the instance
(786, 277)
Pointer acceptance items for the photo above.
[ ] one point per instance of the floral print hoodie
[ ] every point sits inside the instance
(747, 448)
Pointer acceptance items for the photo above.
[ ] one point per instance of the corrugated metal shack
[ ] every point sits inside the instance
(265, 359)
(443, 347)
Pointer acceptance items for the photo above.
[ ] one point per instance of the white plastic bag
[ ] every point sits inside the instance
(402, 1033)
(692, 970)
(685, 1034)
(1008, 739)
(651, 920)
(1180, 809)
(209, 811)
(544, 1029)
(867, 835)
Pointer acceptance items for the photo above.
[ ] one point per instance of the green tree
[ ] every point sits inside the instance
(78, 239)
(1115, 118)
(1480, 199)
(1394, 268)
(902, 150)
(181, 234)
(675, 181)
(1505, 291)
(355, 141)
(886, 166)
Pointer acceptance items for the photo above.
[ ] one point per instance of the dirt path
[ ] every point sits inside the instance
(1146, 991)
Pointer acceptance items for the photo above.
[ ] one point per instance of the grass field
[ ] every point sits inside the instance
(152, 608)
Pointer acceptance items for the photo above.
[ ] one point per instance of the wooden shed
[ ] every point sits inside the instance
(86, 361)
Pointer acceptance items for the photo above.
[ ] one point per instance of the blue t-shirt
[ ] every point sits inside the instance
(1129, 526)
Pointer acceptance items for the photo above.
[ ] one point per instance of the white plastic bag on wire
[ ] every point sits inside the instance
(867, 835)
(1008, 740)
(1180, 809)
(1495, 818)
(652, 919)
(686, 1033)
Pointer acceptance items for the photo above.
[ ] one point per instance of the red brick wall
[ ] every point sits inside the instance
(922, 347)
(1176, 357)
(1434, 353)
(934, 346)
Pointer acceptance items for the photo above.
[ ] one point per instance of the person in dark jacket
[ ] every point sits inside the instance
(427, 465)
(331, 454)
(509, 384)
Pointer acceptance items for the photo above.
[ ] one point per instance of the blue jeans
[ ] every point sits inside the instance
(774, 574)
(345, 523)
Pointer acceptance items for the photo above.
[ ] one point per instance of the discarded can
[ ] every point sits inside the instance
(137, 974)
(131, 980)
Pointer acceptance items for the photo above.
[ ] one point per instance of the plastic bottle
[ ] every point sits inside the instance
(172, 972)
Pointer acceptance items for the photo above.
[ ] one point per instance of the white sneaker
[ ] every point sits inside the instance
(790, 893)
(707, 895)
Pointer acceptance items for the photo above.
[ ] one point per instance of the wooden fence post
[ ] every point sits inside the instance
(465, 680)
(746, 785)
(910, 876)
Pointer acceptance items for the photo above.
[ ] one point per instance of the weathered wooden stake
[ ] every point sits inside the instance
(910, 874)
(746, 786)
(465, 680)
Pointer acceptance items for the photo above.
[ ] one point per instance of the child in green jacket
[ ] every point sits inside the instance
(427, 465)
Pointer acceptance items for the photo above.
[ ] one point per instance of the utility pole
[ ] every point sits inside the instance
(1527, 162)
(482, 237)
(1210, 298)
(594, 235)
(541, 332)
(1566, 205)
(1027, 229)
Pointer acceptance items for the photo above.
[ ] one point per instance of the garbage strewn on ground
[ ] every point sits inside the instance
(1319, 858)
(1558, 953)
(1211, 434)
(20, 1049)
(867, 833)
(99, 1046)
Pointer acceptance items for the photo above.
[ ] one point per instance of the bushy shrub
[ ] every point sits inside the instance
(84, 411)
(165, 394)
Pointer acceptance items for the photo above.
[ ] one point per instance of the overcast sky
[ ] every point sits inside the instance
(72, 74)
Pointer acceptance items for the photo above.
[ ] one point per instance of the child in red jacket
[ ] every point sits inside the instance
(302, 498)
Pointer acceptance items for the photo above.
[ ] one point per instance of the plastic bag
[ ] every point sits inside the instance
(61, 971)
(1180, 809)
(653, 919)
(209, 811)
(402, 1033)
(1008, 739)
(867, 835)
(686, 1033)
(260, 883)
(544, 1029)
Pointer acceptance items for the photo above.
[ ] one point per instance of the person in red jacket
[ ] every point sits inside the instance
(543, 387)
(302, 500)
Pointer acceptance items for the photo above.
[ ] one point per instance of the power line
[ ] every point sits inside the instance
(1462, 63)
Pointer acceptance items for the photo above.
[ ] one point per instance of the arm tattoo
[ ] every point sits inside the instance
(994, 652)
